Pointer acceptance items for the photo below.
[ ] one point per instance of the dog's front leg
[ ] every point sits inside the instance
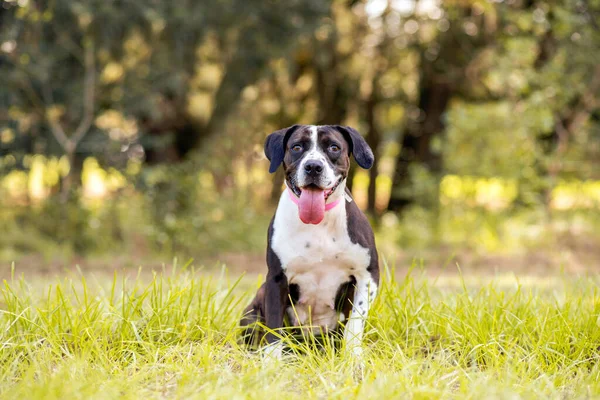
(276, 294)
(364, 294)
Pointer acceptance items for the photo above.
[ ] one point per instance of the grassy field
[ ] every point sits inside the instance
(172, 334)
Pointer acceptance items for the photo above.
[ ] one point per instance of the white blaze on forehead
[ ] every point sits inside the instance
(314, 136)
(314, 152)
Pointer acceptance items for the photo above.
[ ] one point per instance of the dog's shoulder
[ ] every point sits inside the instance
(359, 227)
(361, 233)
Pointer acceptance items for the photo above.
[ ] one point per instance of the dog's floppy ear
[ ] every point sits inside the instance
(361, 150)
(275, 146)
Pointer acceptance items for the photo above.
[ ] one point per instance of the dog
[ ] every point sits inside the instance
(323, 270)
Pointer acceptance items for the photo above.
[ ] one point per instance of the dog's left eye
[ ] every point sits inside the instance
(334, 148)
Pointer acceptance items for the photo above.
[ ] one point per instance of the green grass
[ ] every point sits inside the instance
(174, 335)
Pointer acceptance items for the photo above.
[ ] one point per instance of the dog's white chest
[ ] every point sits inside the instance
(317, 258)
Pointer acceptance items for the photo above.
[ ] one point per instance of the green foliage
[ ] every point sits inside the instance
(148, 63)
(66, 223)
(186, 93)
(483, 215)
(23, 238)
(186, 213)
(59, 229)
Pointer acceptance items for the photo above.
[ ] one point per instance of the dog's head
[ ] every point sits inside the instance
(316, 160)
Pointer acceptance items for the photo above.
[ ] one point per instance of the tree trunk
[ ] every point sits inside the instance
(434, 97)
(331, 94)
(72, 181)
(373, 139)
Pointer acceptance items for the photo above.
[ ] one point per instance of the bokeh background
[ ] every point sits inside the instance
(132, 131)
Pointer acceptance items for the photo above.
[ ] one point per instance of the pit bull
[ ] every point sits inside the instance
(323, 269)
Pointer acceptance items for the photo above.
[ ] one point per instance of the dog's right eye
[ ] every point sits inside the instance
(296, 148)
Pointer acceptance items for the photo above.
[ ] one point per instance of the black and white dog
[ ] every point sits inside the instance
(322, 262)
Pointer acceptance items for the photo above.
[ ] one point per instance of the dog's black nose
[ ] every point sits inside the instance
(313, 167)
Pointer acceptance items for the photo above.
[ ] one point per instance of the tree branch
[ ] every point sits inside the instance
(88, 96)
(69, 144)
(57, 131)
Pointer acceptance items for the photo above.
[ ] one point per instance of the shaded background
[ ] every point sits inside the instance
(131, 132)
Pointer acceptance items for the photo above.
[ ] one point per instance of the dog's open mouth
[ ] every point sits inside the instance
(326, 192)
(311, 201)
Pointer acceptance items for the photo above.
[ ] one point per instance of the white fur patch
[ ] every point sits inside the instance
(319, 258)
(272, 351)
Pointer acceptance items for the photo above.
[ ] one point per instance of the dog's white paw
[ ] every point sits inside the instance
(357, 352)
(357, 362)
(358, 370)
(272, 351)
(354, 349)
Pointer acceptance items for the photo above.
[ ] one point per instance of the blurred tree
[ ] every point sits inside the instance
(123, 81)
(567, 65)
(447, 46)
(158, 77)
(539, 55)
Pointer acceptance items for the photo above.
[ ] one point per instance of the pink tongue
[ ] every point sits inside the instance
(312, 206)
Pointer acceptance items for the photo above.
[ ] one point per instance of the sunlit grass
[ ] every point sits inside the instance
(174, 335)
